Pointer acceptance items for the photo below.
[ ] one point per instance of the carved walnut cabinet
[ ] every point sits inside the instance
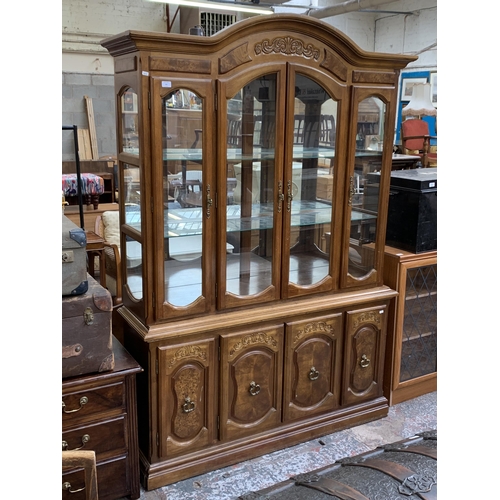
(252, 237)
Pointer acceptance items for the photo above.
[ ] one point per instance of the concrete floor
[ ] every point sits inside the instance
(404, 420)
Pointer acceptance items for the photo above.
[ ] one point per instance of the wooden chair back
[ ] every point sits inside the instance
(81, 459)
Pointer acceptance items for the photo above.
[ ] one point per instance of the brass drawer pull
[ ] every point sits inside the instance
(313, 374)
(85, 440)
(67, 486)
(188, 405)
(83, 401)
(364, 361)
(254, 389)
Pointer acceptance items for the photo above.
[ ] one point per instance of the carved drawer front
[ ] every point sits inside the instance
(365, 344)
(86, 405)
(187, 396)
(251, 381)
(106, 438)
(112, 481)
(313, 366)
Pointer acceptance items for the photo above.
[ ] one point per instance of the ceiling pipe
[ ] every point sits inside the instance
(342, 8)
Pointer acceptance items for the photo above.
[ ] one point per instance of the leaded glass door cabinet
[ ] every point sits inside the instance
(252, 246)
(411, 357)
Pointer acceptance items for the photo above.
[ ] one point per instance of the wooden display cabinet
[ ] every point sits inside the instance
(411, 356)
(258, 309)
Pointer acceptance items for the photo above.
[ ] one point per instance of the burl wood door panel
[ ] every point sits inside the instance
(365, 345)
(186, 396)
(251, 381)
(313, 366)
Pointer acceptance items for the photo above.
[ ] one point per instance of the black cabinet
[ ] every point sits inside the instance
(412, 217)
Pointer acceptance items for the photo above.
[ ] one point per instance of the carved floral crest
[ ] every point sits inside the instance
(289, 46)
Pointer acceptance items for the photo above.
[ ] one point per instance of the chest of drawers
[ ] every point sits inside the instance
(99, 413)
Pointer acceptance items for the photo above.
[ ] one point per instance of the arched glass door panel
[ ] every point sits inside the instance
(250, 187)
(182, 131)
(309, 189)
(364, 186)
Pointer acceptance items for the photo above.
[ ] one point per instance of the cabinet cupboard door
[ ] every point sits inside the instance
(251, 381)
(186, 396)
(312, 366)
(364, 362)
(369, 160)
(183, 192)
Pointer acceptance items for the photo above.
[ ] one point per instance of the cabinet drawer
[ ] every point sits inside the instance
(87, 405)
(112, 481)
(105, 438)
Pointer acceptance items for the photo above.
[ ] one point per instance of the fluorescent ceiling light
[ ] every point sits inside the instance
(218, 5)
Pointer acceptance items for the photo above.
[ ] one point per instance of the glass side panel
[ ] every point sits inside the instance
(364, 186)
(182, 196)
(133, 255)
(133, 248)
(309, 190)
(250, 174)
(130, 123)
(132, 195)
(419, 347)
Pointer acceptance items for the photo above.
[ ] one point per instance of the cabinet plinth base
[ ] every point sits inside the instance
(166, 472)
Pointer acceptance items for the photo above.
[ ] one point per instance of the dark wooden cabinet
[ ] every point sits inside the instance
(252, 251)
(99, 413)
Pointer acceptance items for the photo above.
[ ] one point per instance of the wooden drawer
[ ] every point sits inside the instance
(112, 481)
(106, 438)
(87, 405)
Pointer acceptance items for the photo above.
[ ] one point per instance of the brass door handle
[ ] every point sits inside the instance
(188, 405)
(254, 389)
(351, 190)
(67, 486)
(281, 196)
(364, 361)
(289, 196)
(83, 401)
(209, 202)
(85, 440)
(313, 374)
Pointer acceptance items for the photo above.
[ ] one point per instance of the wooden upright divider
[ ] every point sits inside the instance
(93, 135)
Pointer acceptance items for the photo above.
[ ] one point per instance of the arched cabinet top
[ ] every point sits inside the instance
(294, 35)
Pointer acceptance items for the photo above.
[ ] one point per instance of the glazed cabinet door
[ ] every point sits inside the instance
(313, 366)
(250, 111)
(368, 174)
(364, 354)
(186, 396)
(315, 158)
(183, 195)
(251, 381)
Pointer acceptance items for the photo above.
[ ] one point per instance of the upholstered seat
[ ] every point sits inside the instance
(416, 140)
(91, 185)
